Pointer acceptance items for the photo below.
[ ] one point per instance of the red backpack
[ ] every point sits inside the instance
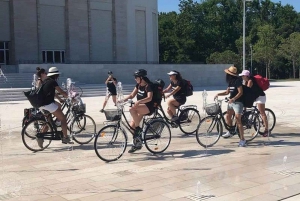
(262, 82)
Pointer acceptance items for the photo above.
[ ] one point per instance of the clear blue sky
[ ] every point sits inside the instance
(172, 5)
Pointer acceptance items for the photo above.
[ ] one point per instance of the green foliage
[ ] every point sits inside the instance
(211, 32)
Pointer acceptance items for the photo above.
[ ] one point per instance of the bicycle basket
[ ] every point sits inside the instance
(212, 109)
(112, 114)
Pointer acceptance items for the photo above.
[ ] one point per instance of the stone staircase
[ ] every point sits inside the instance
(13, 85)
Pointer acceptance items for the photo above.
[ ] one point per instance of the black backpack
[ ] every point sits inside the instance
(36, 96)
(188, 87)
(249, 96)
(157, 87)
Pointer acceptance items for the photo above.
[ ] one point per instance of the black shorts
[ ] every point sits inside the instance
(112, 92)
(150, 107)
(180, 99)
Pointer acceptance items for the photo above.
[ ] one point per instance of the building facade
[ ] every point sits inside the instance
(78, 31)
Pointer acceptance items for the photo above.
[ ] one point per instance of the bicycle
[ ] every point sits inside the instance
(112, 139)
(44, 128)
(213, 128)
(270, 117)
(187, 115)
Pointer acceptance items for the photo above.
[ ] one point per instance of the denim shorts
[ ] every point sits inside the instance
(236, 106)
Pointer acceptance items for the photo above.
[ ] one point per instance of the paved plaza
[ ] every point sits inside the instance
(267, 169)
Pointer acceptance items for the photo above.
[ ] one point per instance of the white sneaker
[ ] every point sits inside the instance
(242, 143)
(227, 134)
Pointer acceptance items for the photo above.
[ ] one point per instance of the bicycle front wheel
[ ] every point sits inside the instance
(251, 126)
(271, 118)
(189, 120)
(209, 131)
(157, 136)
(83, 128)
(110, 143)
(30, 131)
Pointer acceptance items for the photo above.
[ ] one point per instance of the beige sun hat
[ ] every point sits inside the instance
(231, 71)
(53, 71)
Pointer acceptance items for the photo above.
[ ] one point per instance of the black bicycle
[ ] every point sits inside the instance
(271, 118)
(211, 127)
(44, 128)
(188, 118)
(111, 141)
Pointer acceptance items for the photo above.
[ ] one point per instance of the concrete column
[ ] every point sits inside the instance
(78, 26)
(121, 30)
(24, 30)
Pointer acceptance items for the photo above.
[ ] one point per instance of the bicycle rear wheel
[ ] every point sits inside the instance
(209, 131)
(157, 136)
(271, 121)
(189, 120)
(110, 143)
(83, 128)
(30, 131)
(251, 126)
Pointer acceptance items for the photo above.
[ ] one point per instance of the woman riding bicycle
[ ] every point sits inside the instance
(178, 93)
(235, 105)
(261, 100)
(49, 87)
(143, 105)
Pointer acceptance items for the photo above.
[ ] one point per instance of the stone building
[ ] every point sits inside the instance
(78, 31)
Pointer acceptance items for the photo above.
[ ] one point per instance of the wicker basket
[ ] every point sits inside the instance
(112, 114)
(212, 109)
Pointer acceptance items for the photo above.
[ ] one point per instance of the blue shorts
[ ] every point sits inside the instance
(236, 106)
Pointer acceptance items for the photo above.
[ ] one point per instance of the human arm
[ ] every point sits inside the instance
(108, 79)
(239, 94)
(167, 89)
(132, 95)
(224, 93)
(60, 91)
(249, 83)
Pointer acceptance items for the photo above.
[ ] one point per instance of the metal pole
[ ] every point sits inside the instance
(251, 56)
(244, 33)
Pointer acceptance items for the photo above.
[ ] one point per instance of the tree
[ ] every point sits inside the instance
(290, 49)
(265, 48)
(226, 57)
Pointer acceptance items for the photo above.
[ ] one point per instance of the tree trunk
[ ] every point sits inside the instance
(269, 70)
(294, 69)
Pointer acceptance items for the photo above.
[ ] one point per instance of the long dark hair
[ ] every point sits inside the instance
(178, 75)
(54, 77)
(146, 80)
(231, 78)
(40, 71)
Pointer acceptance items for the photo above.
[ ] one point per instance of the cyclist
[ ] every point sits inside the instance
(261, 100)
(235, 104)
(111, 83)
(143, 105)
(178, 93)
(49, 87)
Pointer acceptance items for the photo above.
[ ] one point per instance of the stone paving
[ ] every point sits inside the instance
(267, 169)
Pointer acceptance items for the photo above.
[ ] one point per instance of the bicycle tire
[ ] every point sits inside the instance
(192, 121)
(213, 123)
(254, 123)
(36, 123)
(99, 143)
(268, 112)
(77, 134)
(153, 135)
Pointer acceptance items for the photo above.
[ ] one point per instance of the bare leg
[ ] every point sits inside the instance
(61, 117)
(240, 125)
(172, 104)
(105, 101)
(114, 98)
(230, 112)
(261, 108)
